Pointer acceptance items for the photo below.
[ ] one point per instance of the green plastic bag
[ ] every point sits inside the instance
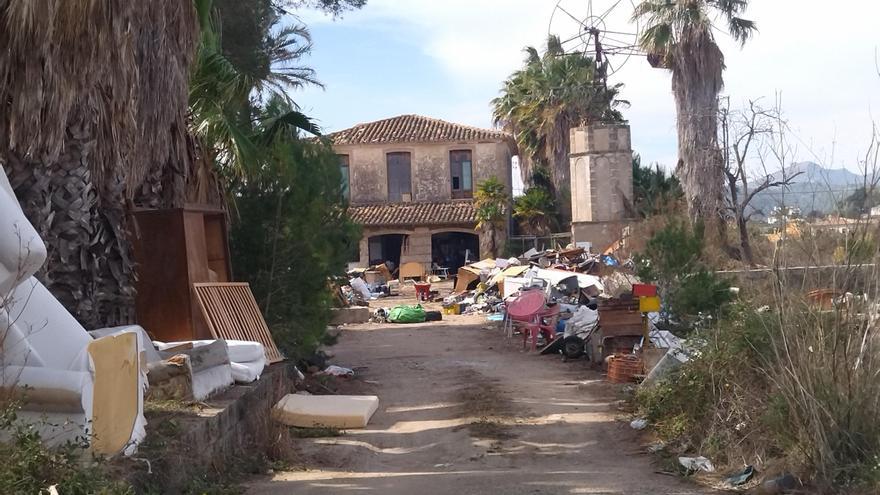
(407, 314)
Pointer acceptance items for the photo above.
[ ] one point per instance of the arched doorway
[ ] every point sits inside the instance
(454, 249)
(386, 247)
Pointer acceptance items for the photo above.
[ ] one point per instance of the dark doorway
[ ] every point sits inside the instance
(454, 249)
(386, 247)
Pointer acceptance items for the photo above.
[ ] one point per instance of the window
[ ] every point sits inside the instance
(462, 174)
(345, 171)
(399, 178)
(346, 176)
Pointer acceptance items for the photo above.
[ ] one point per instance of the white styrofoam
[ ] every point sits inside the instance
(212, 380)
(248, 372)
(240, 351)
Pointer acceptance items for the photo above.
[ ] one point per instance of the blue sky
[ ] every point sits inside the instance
(447, 59)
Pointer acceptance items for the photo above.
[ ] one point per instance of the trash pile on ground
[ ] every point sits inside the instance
(567, 301)
(364, 285)
(574, 303)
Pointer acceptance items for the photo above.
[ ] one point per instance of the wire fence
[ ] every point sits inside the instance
(518, 244)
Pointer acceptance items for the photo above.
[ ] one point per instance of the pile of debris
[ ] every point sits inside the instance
(572, 276)
(364, 285)
(590, 306)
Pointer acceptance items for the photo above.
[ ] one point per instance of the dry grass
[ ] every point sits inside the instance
(793, 387)
(824, 370)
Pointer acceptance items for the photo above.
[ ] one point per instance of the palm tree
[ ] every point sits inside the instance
(536, 211)
(234, 73)
(490, 204)
(654, 191)
(541, 102)
(679, 36)
(94, 116)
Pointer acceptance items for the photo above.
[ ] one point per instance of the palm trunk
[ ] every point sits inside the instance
(487, 241)
(696, 82)
(89, 267)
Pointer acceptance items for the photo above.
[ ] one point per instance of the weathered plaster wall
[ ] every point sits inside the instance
(492, 160)
(431, 178)
(600, 234)
(430, 174)
(368, 182)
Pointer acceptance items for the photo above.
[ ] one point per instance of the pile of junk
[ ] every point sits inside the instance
(573, 303)
(78, 385)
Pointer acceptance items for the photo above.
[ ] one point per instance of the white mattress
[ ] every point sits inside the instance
(334, 411)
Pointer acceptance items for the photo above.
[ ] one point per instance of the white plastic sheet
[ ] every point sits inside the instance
(359, 286)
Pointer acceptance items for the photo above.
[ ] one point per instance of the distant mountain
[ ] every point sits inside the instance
(816, 174)
(816, 188)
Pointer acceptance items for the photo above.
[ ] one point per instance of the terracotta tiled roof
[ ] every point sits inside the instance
(416, 213)
(413, 129)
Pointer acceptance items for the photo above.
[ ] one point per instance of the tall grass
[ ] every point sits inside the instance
(825, 370)
(784, 380)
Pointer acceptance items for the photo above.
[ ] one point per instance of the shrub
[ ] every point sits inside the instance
(795, 382)
(673, 259)
(824, 371)
(714, 404)
(28, 467)
(292, 234)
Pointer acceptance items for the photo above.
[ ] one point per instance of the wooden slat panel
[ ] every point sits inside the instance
(232, 314)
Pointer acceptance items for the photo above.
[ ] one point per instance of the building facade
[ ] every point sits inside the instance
(410, 181)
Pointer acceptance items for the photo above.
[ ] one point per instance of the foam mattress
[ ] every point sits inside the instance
(333, 411)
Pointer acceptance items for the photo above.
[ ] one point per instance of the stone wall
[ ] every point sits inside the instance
(233, 431)
(431, 178)
(601, 182)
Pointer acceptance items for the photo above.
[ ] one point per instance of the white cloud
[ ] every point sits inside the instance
(820, 55)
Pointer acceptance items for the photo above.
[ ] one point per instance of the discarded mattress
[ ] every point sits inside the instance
(333, 411)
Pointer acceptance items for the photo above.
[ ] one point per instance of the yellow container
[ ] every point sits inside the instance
(452, 310)
(649, 304)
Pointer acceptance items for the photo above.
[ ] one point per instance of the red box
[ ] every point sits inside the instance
(644, 290)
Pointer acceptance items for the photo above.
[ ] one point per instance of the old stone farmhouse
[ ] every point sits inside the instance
(410, 181)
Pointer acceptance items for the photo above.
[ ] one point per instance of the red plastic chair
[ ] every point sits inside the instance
(530, 313)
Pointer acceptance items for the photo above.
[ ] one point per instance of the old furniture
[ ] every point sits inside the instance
(174, 249)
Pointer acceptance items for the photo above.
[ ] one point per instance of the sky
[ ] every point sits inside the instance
(447, 59)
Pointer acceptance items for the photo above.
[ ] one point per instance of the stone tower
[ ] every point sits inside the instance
(601, 183)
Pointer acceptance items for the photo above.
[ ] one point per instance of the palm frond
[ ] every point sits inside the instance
(293, 119)
(741, 29)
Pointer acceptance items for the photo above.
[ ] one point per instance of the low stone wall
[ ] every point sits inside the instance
(233, 431)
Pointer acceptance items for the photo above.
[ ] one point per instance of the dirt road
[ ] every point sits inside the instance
(464, 411)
